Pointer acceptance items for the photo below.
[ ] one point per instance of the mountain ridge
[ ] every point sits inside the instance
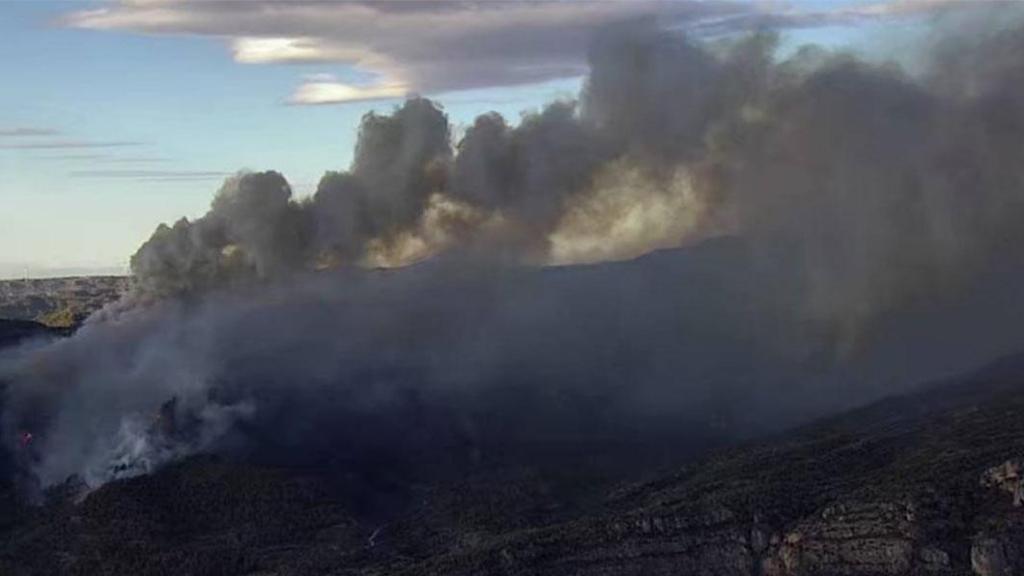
(894, 487)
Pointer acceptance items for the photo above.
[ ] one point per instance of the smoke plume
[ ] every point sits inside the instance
(836, 228)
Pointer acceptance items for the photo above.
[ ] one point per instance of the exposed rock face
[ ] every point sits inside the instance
(933, 559)
(1006, 477)
(853, 538)
(997, 548)
(873, 538)
(888, 490)
(988, 558)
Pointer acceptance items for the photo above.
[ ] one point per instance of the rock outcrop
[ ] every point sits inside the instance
(1006, 477)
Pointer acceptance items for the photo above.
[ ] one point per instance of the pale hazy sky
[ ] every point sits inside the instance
(117, 115)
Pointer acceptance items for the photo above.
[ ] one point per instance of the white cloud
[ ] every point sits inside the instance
(287, 50)
(326, 89)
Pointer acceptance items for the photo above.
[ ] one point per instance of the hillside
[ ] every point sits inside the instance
(15, 331)
(60, 302)
(923, 483)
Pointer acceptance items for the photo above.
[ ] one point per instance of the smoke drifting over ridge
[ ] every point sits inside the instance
(847, 224)
(900, 181)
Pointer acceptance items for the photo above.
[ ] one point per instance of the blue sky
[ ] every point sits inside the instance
(142, 125)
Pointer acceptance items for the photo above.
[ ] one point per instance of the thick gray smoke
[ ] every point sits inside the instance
(256, 229)
(839, 228)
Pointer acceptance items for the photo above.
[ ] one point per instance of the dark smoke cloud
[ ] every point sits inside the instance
(656, 96)
(256, 229)
(886, 187)
(402, 160)
(528, 174)
(503, 189)
(846, 227)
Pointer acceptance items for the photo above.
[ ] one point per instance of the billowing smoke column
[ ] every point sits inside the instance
(255, 229)
(502, 193)
(847, 226)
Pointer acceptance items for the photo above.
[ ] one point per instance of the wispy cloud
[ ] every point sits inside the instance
(65, 144)
(77, 157)
(151, 175)
(432, 46)
(137, 160)
(26, 131)
(108, 159)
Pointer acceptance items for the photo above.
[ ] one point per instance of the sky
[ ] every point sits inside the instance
(118, 115)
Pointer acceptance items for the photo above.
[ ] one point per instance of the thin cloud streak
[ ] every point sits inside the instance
(150, 174)
(61, 144)
(25, 131)
(137, 160)
(108, 159)
(77, 157)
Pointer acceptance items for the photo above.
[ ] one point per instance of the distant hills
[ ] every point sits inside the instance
(59, 302)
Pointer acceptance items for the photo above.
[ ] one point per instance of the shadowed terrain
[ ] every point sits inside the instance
(573, 345)
(913, 484)
(14, 331)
